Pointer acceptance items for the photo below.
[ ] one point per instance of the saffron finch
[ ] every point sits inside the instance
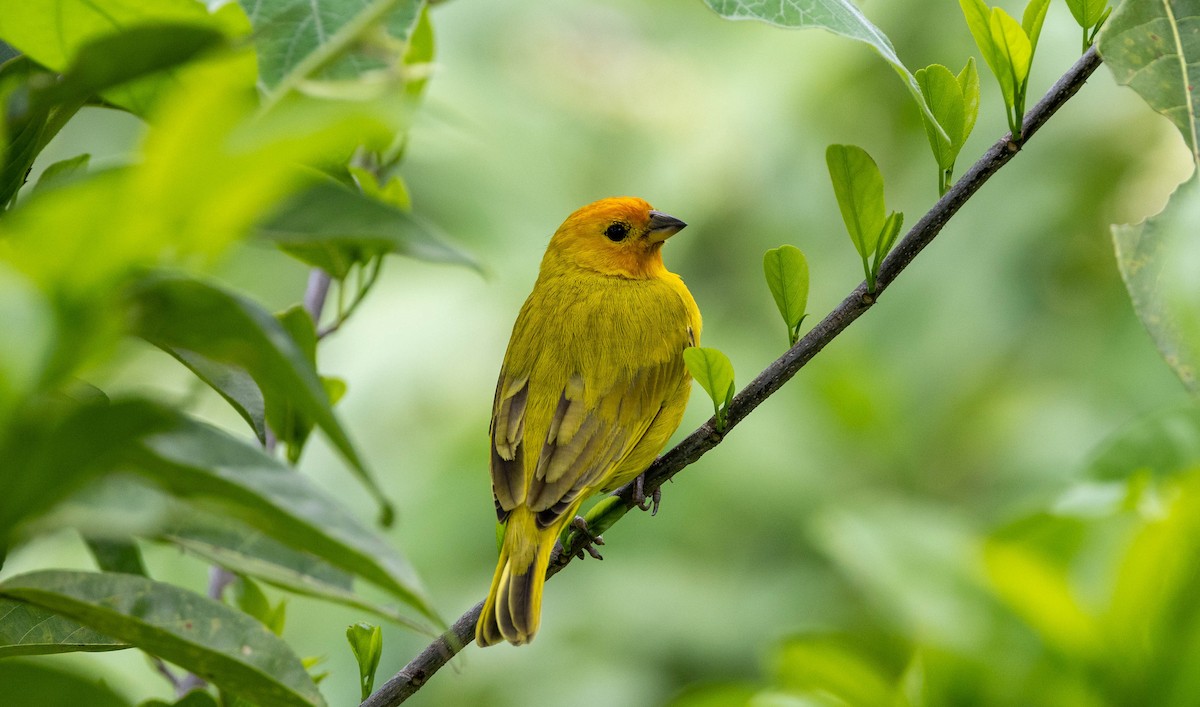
(592, 386)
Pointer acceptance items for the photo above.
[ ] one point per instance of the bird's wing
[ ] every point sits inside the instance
(591, 432)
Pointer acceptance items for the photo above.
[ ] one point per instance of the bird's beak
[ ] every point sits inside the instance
(663, 227)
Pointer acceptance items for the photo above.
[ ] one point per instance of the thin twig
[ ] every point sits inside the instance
(421, 668)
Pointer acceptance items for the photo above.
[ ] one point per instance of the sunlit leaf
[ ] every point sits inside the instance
(979, 17)
(206, 637)
(858, 186)
(1159, 259)
(1154, 48)
(98, 47)
(27, 629)
(1041, 593)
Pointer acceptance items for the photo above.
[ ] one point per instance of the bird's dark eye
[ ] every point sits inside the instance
(617, 231)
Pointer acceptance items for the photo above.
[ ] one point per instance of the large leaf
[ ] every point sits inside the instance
(232, 383)
(1153, 46)
(192, 460)
(837, 16)
(1159, 259)
(56, 455)
(180, 313)
(333, 227)
(26, 629)
(304, 39)
(218, 643)
(242, 549)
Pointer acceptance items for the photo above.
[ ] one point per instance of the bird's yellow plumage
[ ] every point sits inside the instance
(592, 386)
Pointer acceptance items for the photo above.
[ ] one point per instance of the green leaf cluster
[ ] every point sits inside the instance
(714, 372)
(954, 100)
(1008, 47)
(273, 125)
(366, 642)
(858, 186)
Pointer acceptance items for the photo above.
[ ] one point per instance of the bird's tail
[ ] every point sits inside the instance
(513, 609)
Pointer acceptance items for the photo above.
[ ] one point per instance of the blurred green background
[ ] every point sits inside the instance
(972, 394)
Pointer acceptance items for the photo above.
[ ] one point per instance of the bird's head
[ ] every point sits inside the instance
(620, 236)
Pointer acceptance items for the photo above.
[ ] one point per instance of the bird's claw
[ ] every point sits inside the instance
(589, 546)
(640, 499)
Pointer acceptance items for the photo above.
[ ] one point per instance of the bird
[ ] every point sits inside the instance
(592, 386)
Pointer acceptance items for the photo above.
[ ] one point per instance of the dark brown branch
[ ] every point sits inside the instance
(416, 673)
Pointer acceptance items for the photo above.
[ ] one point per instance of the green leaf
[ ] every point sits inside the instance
(1159, 259)
(333, 227)
(1153, 48)
(713, 371)
(194, 460)
(21, 679)
(101, 47)
(1088, 13)
(838, 16)
(180, 313)
(1031, 22)
(832, 665)
(207, 638)
(858, 186)
(26, 629)
(232, 383)
(945, 99)
(419, 55)
(968, 82)
(979, 21)
(245, 550)
(55, 456)
(195, 698)
(116, 555)
(251, 599)
(327, 39)
(366, 642)
(1014, 52)
(786, 271)
(291, 425)
(63, 170)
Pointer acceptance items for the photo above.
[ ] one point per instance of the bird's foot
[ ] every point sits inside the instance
(592, 541)
(640, 499)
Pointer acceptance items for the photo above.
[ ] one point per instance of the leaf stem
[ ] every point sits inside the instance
(418, 672)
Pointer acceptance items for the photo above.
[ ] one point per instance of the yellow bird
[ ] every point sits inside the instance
(593, 384)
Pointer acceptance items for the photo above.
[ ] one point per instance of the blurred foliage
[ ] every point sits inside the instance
(986, 492)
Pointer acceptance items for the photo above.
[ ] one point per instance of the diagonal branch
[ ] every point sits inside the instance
(438, 653)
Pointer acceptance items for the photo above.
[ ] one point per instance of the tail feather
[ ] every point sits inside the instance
(513, 609)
